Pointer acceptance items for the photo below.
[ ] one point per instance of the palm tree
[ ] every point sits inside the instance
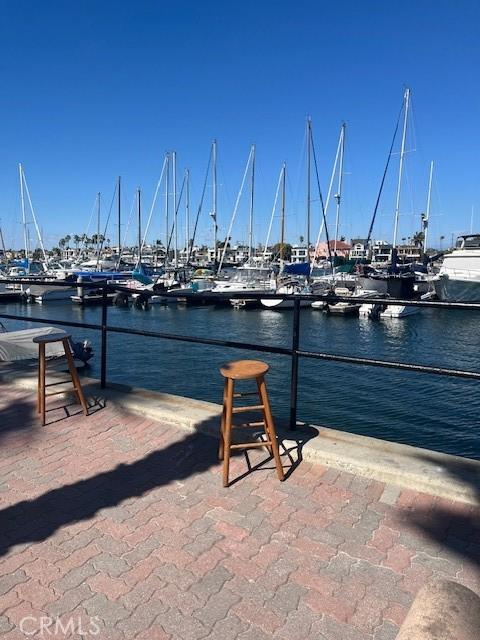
(418, 239)
(441, 239)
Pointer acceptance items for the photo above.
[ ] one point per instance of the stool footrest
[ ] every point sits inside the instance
(253, 407)
(243, 394)
(245, 445)
(251, 425)
(53, 384)
(57, 393)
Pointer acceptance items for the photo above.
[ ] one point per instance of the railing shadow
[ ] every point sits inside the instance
(455, 527)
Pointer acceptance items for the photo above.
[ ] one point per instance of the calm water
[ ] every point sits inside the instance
(419, 409)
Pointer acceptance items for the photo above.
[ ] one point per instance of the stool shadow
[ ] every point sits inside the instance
(97, 404)
(290, 444)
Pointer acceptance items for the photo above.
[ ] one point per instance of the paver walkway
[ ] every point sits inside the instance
(114, 526)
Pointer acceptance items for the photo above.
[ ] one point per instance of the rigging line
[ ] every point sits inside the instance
(327, 202)
(321, 199)
(175, 214)
(250, 156)
(377, 203)
(154, 201)
(33, 216)
(273, 212)
(200, 206)
(127, 227)
(108, 218)
(85, 235)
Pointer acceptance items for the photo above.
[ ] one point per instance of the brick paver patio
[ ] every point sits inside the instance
(118, 526)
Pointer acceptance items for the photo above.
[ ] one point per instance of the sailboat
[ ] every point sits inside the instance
(392, 282)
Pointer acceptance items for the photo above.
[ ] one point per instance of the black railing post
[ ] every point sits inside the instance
(294, 370)
(103, 370)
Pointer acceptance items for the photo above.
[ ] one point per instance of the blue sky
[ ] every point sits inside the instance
(93, 90)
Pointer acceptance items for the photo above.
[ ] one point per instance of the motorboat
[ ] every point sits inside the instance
(459, 277)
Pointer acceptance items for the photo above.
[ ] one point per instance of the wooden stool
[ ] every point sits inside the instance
(62, 337)
(246, 370)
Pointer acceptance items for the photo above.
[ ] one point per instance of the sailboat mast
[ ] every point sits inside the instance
(174, 178)
(250, 218)
(427, 215)
(187, 214)
(139, 219)
(167, 232)
(24, 220)
(309, 164)
(400, 168)
(214, 203)
(282, 230)
(98, 227)
(3, 243)
(119, 212)
(338, 195)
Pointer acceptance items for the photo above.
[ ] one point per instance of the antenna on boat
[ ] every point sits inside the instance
(406, 99)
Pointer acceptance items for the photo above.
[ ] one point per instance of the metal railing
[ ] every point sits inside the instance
(294, 352)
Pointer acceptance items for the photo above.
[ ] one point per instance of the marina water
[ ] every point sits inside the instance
(424, 410)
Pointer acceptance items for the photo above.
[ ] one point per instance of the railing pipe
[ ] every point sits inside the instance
(294, 364)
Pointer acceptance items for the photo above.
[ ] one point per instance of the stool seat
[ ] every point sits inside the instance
(244, 369)
(52, 337)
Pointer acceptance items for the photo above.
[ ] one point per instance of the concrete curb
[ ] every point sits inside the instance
(439, 474)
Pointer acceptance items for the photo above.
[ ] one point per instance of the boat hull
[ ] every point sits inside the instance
(456, 290)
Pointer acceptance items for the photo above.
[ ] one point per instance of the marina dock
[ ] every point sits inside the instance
(123, 517)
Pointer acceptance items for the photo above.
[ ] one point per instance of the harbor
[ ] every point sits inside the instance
(239, 321)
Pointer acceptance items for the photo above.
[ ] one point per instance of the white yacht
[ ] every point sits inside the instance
(459, 277)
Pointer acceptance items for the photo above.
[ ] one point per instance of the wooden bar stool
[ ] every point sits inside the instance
(62, 337)
(246, 370)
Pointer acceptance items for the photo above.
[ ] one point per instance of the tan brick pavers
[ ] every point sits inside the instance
(114, 526)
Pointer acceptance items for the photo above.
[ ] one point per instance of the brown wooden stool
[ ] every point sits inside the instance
(246, 370)
(62, 337)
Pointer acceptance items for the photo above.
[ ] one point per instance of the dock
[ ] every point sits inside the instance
(122, 516)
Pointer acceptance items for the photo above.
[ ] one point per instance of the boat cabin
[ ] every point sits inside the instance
(468, 242)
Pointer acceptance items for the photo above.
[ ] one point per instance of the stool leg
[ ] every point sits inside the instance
(265, 421)
(39, 395)
(74, 375)
(41, 375)
(227, 434)
(221, 445)
(270, 426)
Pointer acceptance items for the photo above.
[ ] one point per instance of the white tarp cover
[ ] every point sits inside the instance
(19, 345)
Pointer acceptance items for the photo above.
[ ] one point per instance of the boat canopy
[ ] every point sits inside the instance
(297, 269)
(19, 345)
